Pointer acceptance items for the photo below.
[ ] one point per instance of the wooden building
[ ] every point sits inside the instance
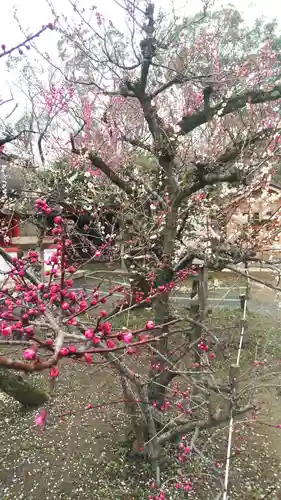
(260, 213)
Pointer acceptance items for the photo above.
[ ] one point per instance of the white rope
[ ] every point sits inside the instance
(230, 432)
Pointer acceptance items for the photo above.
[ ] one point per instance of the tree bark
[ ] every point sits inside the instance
(140, 284)
(156, 391)
(199, 305)
(20, 390)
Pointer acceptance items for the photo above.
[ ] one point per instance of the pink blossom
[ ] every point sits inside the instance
(83, 305)
(58, 219)
(88, 357)
(132, 350)
(111, 344)
(29, 354)
(150, 325)
(29, 330)
(106, 327)
(203, 346)
(72, 322)
(128, 337)
(7, 331)
(188, 486)
(64, 351)
(69, 282)
(89, 333)
(40, 420)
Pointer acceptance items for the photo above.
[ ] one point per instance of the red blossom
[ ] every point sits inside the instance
(88, 358)
(89, 333)
(64, 351)
(150, 325)
(54, 372)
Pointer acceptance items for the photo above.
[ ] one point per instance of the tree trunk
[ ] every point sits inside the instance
(140, 284)
(137, 431)
(20, 390)
(195, 314)
(156, 391)
(199, 305)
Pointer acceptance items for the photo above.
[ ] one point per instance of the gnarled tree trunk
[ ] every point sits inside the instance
(157, 390)
(22, 391)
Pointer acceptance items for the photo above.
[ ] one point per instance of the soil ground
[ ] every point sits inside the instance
(81, 454)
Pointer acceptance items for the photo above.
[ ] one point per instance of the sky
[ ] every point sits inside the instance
(35, 13)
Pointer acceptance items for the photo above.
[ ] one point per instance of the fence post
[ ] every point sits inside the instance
(203, 293)
(199, 303)
(122, 238)
(122, 253)
(233, 382)
(194, 313)
(242, 301)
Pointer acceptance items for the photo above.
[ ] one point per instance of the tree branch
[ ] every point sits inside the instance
(101, 165)
(137, 143)
(189, 123)
(97, 162)
(207, 180)
(9, 259)
(232, 152)
(147, 46)
(11, 138)
(36, 366)
(179, 79)
(5, 52)
(203, 424)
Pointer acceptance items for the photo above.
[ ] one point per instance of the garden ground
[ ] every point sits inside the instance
(82, 453)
